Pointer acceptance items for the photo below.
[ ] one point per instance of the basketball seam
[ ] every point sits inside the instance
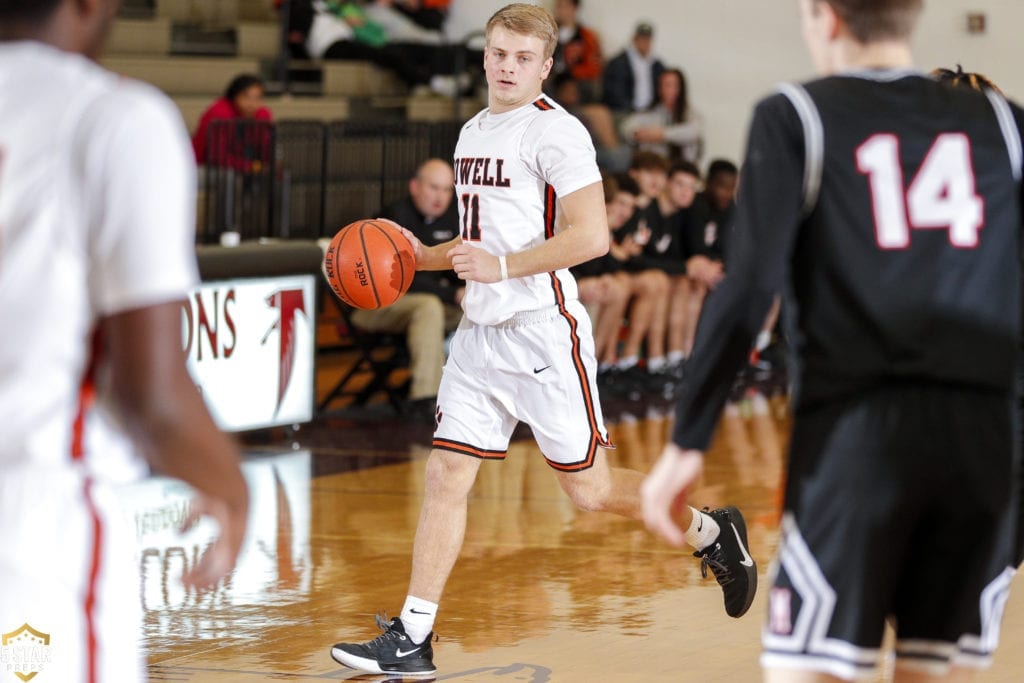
(366, 262)
(337, 273)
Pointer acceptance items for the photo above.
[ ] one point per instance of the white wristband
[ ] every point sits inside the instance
(503, 265)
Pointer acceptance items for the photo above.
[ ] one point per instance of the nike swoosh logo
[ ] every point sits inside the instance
(700, 521)
(747, 561)
(416, 611)
(399, 653)
(536, 370)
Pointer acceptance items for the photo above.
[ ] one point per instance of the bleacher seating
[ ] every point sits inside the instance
(192, 49)
(346, 138)
(183, 75)
(345, 141)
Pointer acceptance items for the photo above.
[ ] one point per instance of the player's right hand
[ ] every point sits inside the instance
(414, 241)
(220, 558)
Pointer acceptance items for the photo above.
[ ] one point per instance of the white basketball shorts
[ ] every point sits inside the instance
(69, 589)
(538, 368)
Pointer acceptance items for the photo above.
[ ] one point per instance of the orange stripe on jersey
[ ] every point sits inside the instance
(596, 439)
(89, 605)
(466, 449)
(543, 104)
(86, 398)
(549, 211)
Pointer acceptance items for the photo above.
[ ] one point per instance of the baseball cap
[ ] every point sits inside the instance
(644, 29)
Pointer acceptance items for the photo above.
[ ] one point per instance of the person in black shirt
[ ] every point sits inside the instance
(707, 221)
(665, 251)
(981, 83)
(887, 208)
(431, 306)
(429, 213)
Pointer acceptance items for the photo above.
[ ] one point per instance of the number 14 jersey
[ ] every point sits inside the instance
(510, 170)
(887, 207)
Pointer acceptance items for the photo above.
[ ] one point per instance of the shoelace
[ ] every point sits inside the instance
(716, 561)
(388, 633)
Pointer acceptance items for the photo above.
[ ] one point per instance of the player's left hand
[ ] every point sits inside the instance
(664, 491)
(474, 264)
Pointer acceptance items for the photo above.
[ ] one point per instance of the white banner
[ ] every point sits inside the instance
(250, 346)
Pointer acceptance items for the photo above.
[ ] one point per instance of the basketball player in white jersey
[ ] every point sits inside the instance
(96, 257)
(531, 205)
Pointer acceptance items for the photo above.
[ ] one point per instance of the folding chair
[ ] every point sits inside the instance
(379, 354)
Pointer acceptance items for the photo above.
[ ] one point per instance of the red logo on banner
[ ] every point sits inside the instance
(288, 302)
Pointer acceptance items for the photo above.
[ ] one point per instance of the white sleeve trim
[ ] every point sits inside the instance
(814, 142)
(1011, 133)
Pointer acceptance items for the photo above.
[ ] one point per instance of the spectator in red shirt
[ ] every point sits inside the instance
(579, 50)
(243, 99)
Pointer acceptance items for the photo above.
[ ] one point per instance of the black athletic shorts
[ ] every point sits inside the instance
(900, 505)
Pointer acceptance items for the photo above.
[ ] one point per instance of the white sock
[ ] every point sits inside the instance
(418, 618)
(604, 367)
(764, 338)
(703, 530)
(627, 362)
(675, 357)
(656, 364)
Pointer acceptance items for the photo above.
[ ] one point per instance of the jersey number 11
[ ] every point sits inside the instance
(941, 195)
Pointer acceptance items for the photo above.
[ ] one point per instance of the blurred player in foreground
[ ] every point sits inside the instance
(888, 207)
(96, 259)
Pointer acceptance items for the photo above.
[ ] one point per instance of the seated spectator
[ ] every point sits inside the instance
(706, 234)
(711, 216)
(430, 14)
(670, 128)
(382, 33)
(429, 212)
(661, 257)
(649, 286)
(578, 53)
(612, 154)
(650, 171)
(396, 18)
(242, 100)
(604, 287)
(676, 201)
(342, 29)
(431, 306)
(630, 78)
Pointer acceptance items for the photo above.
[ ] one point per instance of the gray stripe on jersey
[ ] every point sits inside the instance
(1010, 131)
(814, 141)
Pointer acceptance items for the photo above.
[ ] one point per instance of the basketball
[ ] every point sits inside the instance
(369, 264)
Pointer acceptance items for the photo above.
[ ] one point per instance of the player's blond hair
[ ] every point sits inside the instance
(527, 20)
(874, 20)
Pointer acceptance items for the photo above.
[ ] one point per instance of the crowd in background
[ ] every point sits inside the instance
(669, 211)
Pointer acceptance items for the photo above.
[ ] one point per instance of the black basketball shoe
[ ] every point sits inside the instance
(392, 652)
(729, 560)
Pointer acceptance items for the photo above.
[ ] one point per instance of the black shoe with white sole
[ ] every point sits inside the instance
(728, 558)
(392, 652)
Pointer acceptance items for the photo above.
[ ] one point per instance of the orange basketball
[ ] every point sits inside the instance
(369, 264)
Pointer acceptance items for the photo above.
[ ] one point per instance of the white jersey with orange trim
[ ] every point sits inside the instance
(97, 211)
(510, 170)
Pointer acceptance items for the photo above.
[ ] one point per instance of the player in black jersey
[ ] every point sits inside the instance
(981, 83)
(886, 207)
